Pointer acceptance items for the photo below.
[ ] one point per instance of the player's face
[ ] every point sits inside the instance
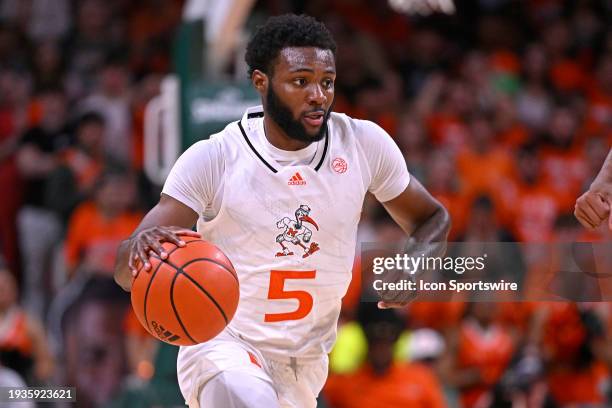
(300, 93)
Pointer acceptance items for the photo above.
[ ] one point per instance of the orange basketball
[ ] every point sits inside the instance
(189, 297)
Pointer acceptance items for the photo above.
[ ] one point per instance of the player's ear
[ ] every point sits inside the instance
(260, 81)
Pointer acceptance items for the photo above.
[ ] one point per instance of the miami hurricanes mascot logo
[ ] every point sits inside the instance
(296, 233)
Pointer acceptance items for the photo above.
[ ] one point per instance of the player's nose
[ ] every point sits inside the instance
(316, 96)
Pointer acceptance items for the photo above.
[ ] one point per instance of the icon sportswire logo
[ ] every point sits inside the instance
(296, 180)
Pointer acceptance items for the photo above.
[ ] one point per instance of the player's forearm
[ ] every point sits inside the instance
(433, 230)
(605, 174)
(428, 239)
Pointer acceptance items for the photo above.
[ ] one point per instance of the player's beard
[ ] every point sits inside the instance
(281, 114)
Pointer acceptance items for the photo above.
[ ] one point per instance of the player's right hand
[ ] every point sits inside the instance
(592, 208)
(149, 241)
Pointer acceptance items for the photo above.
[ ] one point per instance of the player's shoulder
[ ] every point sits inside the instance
(206, 146)
(206, 152)
(361, 131)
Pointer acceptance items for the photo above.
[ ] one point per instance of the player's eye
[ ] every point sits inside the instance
(299, 81)
(328, 83)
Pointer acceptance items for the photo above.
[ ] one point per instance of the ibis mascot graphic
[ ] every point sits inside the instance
(296, 233)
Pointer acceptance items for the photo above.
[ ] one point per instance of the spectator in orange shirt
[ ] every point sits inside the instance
(444, 105)
(443, 183)
(80, 166)
(563, 163)
(581, 387)
(440, 316)
(447, 126)
(508, 129)
(483, 166)
(577, 375)
(96, 228)
(482, 225)
(23, 342)
(479, 352)
(561, 331)
(382, 382)
(566, 74)
(530, 201)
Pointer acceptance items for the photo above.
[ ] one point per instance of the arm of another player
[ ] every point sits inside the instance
(164, 223)
(593, 207)
(422, 217)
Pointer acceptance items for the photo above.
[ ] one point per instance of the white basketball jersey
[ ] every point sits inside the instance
(290, 233)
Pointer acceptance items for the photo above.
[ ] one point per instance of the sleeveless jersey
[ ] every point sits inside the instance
(290, 232)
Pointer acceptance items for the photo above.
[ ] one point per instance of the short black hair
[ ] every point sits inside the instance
(112, 171)
(91, 117)
(279, 32)
(372, 319)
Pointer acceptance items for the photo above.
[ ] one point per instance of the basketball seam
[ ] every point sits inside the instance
(207, 294)
(216, 263)
(174, 306)
(200, 259)
(233, 273)
(146, 295)
(180, 270)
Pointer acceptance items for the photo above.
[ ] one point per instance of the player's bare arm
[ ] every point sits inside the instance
(422, 217)
(166, 222)
(593, 207)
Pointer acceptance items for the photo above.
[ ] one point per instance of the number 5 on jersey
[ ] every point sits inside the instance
(277, 291)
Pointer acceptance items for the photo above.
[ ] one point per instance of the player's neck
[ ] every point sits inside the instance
(279, 139)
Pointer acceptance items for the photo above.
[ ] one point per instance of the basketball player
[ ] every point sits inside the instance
(593, 207)
(280, 192)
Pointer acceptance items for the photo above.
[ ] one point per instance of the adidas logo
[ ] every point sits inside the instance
(164, 334)
(296, 180)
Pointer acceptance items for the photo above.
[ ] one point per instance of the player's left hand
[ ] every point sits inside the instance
(592, 209)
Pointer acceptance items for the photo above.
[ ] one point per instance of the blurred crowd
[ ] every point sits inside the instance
(503, 111)
(75, 77)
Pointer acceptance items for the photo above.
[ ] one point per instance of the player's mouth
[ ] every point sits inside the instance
(314, 119)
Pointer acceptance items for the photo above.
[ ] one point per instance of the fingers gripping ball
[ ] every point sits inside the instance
(189, 297)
